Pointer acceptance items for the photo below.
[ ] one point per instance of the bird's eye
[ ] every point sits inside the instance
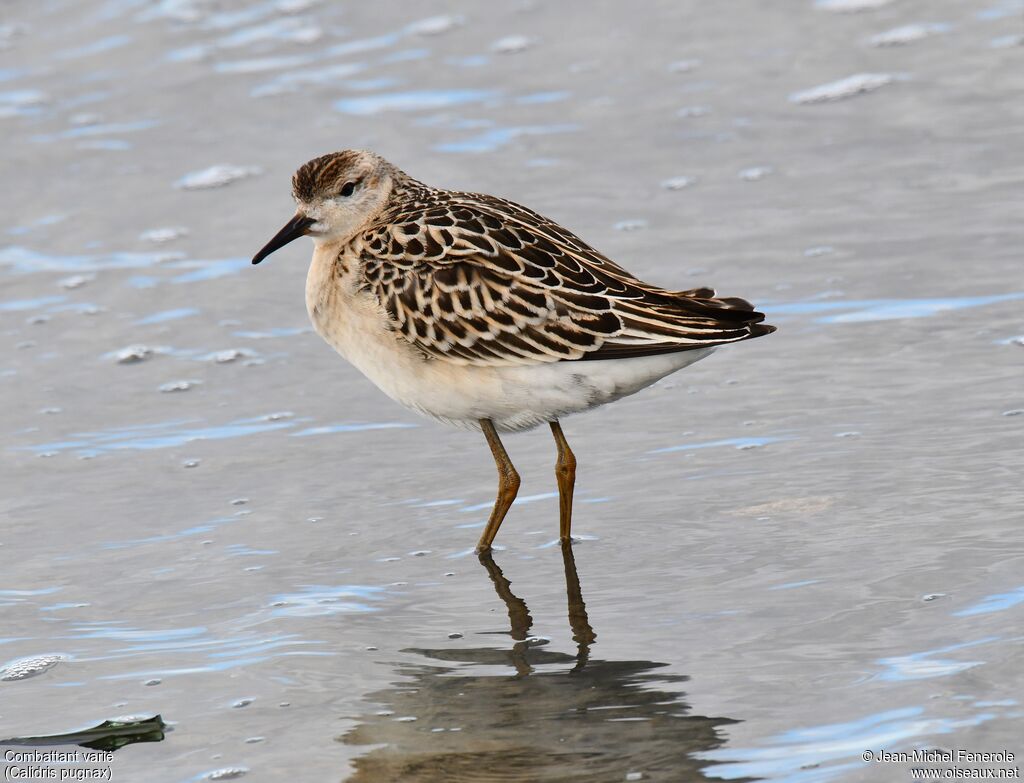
(347, 189)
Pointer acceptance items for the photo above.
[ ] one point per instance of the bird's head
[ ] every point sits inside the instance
(336, 196)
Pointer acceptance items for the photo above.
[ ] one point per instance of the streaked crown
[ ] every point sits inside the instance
(324, 177)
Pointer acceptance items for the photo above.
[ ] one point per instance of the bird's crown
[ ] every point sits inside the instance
(326, 175)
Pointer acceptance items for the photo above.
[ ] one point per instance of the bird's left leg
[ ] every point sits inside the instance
(565, 473)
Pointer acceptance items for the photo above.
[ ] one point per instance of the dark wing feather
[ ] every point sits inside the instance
(477, 280)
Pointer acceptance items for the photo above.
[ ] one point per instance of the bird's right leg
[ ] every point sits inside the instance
(508, 485)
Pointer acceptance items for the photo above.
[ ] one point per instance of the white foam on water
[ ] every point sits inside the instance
(216, 176)
(513, 44)
(160, 235)
(858, 84)
(908, 33)
(31, 666)
(436, 25)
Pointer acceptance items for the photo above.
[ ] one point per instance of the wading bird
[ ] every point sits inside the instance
(478, 312)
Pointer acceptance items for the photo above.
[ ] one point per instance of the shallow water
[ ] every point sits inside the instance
(803, 548)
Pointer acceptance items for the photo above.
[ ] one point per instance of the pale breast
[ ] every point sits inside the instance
(349, 319)
(352, 321)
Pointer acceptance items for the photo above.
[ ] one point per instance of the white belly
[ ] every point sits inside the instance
(540, 393)
(514, 398)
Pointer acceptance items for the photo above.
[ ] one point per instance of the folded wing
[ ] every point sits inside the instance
(476, 280)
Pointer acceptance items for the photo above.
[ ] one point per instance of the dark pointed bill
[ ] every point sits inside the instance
(293, 229)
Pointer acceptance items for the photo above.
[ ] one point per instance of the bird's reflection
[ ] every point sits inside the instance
(560, 717)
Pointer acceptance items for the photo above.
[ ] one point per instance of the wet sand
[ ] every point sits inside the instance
(800, 548)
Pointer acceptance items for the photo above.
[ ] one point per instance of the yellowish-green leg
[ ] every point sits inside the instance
(565, 473)
(508, 485)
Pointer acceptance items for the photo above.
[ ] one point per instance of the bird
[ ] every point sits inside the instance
(478, 312)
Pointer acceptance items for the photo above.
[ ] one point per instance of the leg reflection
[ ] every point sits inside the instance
(518, 612)
(582, 633)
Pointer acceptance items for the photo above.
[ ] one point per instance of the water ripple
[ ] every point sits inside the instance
(797, 756)
(170, 434)
(994, 603)
(854, 311)
(925, 665)
(739, 443)
(414, 100)
(498, 137)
